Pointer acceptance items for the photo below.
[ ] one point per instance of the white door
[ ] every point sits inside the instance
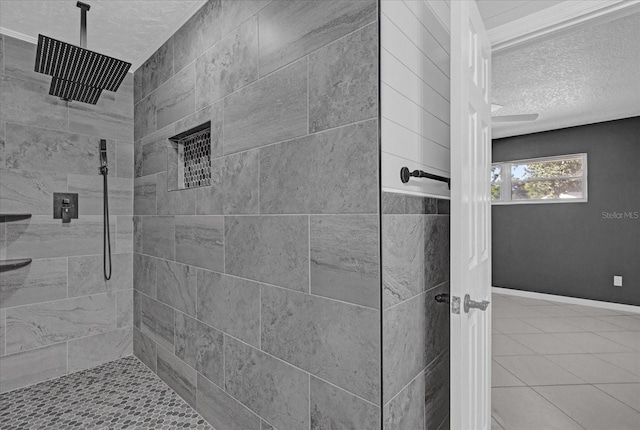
(470, 219)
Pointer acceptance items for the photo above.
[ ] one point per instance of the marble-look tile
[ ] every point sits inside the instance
(199, 241)
(28, 191)
(144, 348)
(343, 81)
(176, 202)
(211, 113)
(107, 119)
(137, 234)
(144, 195)
(178, 375)
(436, 331)
(38, 149)
(175, 98)
(234, 12)
(444, 207)
(421, 205)
(158, 237)
(393, 203)
(333, 408)
(201, 31)
(41, 281)
(43, 324)
(270, 110)
(436, 393)
(31, 367)
(137, 159)
(271, 388)
(177, 286)
(265, 425)
(137, 85)
(154, 150)
(403, 246)
(3, 315)
(344, 258)
(42, 236)
(19, 57)
(124, 159)
(125, 92)
(404, 327)
(96, 350)
(124, 308)
(235, 186)
(201, 347)
(29, 103)
(144, 117)
(314, 174)
(310, 333)
(124, 234)
(436, 250)
(230, 304)
(317, 24)
(154, 319)
(158, 68)
(271, 249)
(221, 410)
(90, 190)
(86, 274)
(229, 65)
(406, 410)
(144, 274)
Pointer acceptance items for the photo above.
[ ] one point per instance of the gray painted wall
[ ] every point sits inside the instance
(572, 249)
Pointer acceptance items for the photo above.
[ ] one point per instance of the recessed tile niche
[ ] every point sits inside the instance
(189, 158)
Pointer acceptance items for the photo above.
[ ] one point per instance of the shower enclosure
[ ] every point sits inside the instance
(270, 266)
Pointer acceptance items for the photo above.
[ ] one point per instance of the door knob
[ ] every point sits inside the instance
(472, 304)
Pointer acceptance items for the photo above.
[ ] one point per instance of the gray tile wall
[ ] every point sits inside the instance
(415, 255)
(257, 298)
(58, 315)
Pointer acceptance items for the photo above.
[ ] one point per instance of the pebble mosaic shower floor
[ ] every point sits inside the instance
(122, 394)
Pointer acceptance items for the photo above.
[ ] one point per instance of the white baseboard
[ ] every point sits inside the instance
(568, 300)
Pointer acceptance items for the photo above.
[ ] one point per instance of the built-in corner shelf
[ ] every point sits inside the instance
(7, 265)
(13, 217)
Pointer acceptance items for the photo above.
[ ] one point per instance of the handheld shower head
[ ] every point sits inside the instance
(103, 157)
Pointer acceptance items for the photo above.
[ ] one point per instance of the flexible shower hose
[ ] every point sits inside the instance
(106, 232)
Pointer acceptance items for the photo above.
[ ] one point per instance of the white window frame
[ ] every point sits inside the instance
(505, 180)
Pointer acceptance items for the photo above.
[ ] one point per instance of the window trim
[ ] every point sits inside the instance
(505, 180)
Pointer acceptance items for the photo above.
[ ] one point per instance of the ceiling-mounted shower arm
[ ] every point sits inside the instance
(84, 8)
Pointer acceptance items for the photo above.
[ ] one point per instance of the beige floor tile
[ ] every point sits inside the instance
(592, 408)
(627, 322)
(514, 325)
(592, 342)
(591, 323)
(630, 339)
(558, 311)
(521, 408)
(517, 311)
(502, 344)
(495, 425)
(629, 394)
(538, 370)
(501, 377)
(546, 343)
(592, 311)
(527, 301)
(552, 325)
(593, 369)
(629, 361)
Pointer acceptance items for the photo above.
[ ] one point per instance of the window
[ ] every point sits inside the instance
(561, 179)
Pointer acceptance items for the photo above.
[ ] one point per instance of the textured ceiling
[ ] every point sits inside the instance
(498, 12)
(123, 29)
(580, 76)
